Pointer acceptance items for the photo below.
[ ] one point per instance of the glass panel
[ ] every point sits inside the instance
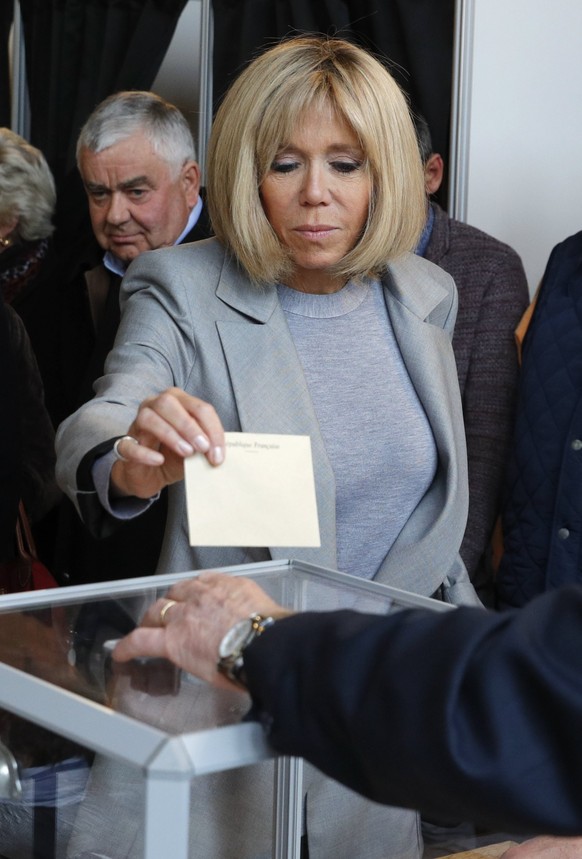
(70, 646)
(69, 643)
(142, 722)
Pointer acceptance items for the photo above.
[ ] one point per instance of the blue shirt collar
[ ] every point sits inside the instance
(426, 233)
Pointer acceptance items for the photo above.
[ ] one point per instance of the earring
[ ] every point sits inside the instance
(5, 243)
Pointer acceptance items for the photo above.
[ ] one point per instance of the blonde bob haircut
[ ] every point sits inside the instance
(256, 120)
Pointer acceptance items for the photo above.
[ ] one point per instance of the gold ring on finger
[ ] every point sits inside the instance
(165, 608)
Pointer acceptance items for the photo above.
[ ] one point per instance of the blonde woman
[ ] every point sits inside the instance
(307, 314)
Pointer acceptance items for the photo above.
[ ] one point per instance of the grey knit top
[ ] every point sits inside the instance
(375, 431)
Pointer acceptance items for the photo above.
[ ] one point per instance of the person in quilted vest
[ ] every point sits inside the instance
(542, 508)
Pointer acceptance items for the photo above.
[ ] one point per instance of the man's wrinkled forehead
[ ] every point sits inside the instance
(142, 181)
(124, 165)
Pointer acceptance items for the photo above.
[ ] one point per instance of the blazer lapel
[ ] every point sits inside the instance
(271, 394)
(420, 557)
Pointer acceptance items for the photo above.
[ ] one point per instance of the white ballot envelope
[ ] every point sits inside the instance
(263, 494)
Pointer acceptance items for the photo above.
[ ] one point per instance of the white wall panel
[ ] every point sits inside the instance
(521, 157)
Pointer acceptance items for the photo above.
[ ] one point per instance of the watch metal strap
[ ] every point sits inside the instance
(233, 666)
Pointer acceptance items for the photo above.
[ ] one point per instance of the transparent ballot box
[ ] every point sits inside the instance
(140, 760)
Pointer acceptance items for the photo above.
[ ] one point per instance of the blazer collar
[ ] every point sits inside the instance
(405, 279)
(410, 280)
(257, 301)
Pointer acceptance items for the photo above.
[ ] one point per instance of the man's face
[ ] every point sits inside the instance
(135, 202)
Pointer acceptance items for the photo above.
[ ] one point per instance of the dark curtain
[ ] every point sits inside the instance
(6, 11)
(414, 36)
(77, 53)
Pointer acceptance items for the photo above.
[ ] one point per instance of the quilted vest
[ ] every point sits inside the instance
(542, 510)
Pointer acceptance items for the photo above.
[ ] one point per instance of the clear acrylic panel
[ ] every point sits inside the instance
(143, 760)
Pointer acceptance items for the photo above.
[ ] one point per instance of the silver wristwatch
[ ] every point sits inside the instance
(232, 646)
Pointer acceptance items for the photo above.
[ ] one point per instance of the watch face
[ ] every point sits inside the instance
(235, 638)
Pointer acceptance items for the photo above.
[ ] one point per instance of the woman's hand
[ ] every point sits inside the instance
(188, 624)
(169, 427)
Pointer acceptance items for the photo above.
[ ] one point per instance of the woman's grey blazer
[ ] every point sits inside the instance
(192, 319)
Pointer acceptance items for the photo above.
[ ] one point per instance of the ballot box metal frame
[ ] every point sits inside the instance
(169, 763)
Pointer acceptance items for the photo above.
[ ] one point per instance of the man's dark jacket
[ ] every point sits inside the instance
(468, 709)
(493, 295)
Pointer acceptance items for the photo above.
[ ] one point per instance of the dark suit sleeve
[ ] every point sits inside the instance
(469, 711)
